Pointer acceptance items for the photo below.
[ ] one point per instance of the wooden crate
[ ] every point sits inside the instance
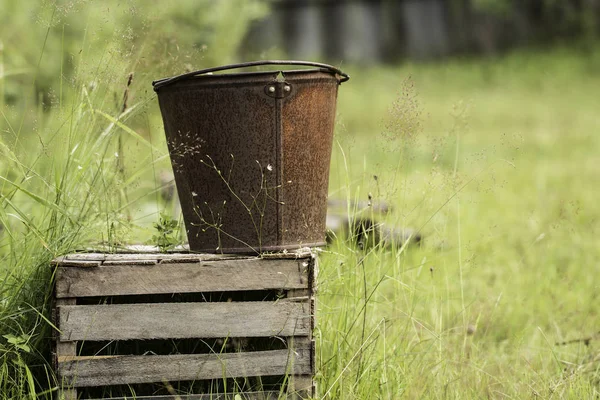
(169, 326)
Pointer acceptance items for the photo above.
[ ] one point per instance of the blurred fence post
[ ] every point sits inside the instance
(371, 31)
(354, 31)
(303, 29)
(426, 28)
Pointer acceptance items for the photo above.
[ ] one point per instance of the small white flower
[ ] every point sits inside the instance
(269, 167)
(116, 154)
(79, 167)
(194, 194)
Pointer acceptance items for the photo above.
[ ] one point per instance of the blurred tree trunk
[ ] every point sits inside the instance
(590, 17)
(392, 31)
(354, 30)
(371, 31)
(425, 28)
(303, 30)
(460, 27)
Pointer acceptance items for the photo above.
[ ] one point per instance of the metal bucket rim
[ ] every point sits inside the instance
(326, 68)
(248, 78)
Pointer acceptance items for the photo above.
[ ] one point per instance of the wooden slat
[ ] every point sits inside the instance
(145, 256)
(267, 395)
(62, 359)
(65, 349)
(313, 274)
(75, 258)
(184, 320)
(153, 251)
(130, 262)
(298, 294)
(173, 256)
(305, 342)
(79, 256)
(146, 369)
(302, 252)
(66, 262)
(225, 275)
(301, 383)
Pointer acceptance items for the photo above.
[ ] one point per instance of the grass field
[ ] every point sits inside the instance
(497, 172)
(494, 161)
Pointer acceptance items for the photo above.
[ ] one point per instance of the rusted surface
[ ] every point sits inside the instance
(306, 152)
(250, 154)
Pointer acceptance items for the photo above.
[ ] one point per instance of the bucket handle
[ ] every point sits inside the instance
(167, 81)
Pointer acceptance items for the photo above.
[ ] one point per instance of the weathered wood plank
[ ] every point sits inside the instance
(65, 349)
(313, 355)
(268, 395)
(298, 299)
(184, 320)
(116, 259)
(151, 253)
(66, 262)
(306, 266)
(313, 274)
(146, 369)
(301, 383)
(144, 256)
(62, 359)
(225, 275)
(298, 294)
(302, 252)
(129, 262)
(305, 342)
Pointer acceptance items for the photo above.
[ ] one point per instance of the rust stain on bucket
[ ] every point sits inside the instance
(250, 154)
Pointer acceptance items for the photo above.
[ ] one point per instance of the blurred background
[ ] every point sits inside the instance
(375, 31)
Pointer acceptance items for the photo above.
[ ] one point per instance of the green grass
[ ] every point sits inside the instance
(493, 160)
(499, 179)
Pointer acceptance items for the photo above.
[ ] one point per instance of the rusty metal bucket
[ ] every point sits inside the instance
(250, 152)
